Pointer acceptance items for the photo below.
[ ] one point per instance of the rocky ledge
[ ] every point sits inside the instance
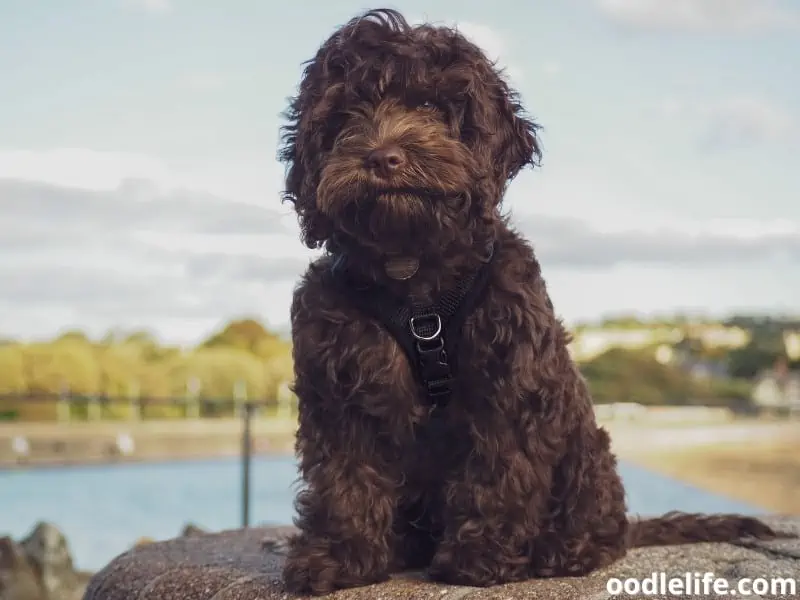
(40, 566)
(246, 564)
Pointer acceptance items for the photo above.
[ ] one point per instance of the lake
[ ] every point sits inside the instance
(103, 510)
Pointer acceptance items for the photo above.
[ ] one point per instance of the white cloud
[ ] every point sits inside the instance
(183, 259)
(256, 181)
(736, 121)
(747, 120)
(702, 16)
(105, 239)
(139, 255)
(569, 243)
(152, 6)
(80, 168)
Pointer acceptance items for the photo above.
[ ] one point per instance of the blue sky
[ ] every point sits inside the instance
(139, 186)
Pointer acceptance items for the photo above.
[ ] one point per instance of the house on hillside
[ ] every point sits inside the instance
(589, 343)
(791, 341)
(716, 335)
(777, 391)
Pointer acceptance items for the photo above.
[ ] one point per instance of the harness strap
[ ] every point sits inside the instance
(429, 334)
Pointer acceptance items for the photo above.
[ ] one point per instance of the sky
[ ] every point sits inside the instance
(140, 189)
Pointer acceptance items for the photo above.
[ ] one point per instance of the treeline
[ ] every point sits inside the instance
(754, 323)
(620, 375)
(244, 354)
(698, 373)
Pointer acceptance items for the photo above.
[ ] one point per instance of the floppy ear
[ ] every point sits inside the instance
(516, 144)
(300, 150)
(496, 128)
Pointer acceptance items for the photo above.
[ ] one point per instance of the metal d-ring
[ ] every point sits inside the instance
(426, 338)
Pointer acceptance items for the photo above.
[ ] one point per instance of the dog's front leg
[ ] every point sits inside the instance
(345, 512)
(493, 509)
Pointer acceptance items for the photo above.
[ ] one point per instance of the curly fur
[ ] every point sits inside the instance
(513, 479)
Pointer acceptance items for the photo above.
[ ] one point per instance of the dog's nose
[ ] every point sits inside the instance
(387, 160)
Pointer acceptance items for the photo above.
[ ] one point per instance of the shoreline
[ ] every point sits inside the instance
(54, 445)
(129, 461)
(106, 443)
(752, 460)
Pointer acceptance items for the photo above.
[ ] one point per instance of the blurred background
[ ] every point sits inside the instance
(147, 263)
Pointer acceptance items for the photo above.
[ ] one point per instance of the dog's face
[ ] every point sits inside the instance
(401, 136)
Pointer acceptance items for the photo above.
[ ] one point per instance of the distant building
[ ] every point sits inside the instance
(777, 390)
(719, 336)
(791, 341)
(589, 343)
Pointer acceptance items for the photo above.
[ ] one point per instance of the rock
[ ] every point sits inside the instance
(246, 565)
(18, 580)
(39, 567)
(190, 529)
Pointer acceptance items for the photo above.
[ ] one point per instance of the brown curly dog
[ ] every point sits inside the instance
(443, 424)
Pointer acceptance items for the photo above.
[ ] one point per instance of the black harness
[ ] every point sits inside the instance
(428, 333)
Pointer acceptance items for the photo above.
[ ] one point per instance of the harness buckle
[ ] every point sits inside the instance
(418, 322)
(440, 388)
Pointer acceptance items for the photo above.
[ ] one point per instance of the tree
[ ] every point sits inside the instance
(620, 375)
(49, 367)
(12, 372)
(246, 334)
(762, 352)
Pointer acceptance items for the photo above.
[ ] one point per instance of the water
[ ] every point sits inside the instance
(103, 510)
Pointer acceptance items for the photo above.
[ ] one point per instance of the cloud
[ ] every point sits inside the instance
(701, 16)
(244, 180)
(737, 121)
(139, 254)
(745, 121)
(565, 243)
(152, 6)
(136, 205)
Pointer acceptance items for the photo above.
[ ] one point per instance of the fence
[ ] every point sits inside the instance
(67, 407)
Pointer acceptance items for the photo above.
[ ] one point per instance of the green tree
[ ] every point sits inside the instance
(246, 334)
(12, 371)
(762, 352)
(49, 367)
(620, 375)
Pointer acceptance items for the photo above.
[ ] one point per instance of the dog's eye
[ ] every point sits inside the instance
(425, 105)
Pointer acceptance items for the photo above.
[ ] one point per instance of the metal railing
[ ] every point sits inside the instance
(193, 408)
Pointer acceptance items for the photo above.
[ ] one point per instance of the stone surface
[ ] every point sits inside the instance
(246, 565)
(39, 567)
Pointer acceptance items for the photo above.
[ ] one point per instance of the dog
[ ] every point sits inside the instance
(442, 423)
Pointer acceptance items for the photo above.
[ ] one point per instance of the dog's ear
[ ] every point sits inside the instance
(300, 149)
(516, 143)
(497, 127)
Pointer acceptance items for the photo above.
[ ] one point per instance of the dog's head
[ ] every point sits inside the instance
(401, 136)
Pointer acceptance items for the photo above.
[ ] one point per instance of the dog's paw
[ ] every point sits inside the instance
(313, 568)
(476, 566)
